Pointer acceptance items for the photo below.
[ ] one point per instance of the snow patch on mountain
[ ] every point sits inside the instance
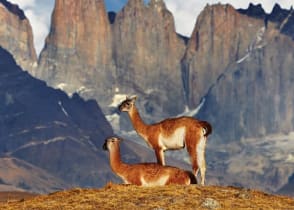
(62, 108)
(192, 112)
(117, 99)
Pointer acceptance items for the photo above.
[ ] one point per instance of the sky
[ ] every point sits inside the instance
(185, 14)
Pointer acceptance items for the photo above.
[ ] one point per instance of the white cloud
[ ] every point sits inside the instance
(40, 28)
(39, 19)
(184, 14)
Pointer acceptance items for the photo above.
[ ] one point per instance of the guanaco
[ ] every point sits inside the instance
(145, 174)
(172, 134)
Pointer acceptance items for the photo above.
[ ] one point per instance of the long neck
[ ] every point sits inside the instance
(137, 121)
(115, 160)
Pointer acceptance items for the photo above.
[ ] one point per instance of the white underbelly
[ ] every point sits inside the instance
(159, 181)
(173, 141)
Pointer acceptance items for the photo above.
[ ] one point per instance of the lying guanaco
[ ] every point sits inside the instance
(145, 174)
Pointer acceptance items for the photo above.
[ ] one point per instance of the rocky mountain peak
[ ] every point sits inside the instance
(278, 14)
(220, 36)
(13, 8)
(78, 47)
(253, 10)
(16, 35)
(138, 4)
(77, 16)
(159, 5)
(145, 45)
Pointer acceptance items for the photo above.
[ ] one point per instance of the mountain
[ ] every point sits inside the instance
(145, 45)
(235, 71)
(247, 81)
(16, 35)
(18, 175)
(49, 141)
(240, 68)
(87, 54)
(44, 127)
(77, 56)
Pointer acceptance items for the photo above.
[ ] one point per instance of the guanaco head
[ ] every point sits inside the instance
(110, 143)
(127, 104)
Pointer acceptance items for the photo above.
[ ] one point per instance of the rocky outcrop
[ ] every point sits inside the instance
(86, 53)
(232, 63)
(255, 11)
(278, 14)
(16, 35)
(255, 95)
(221, 36)
(147, 53)
(77, 56)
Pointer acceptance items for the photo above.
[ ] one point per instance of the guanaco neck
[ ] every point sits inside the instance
(137, 122)
(115, 160)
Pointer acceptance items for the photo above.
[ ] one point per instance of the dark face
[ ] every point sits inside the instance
(126, 105)
(105, 145)
(108, 144)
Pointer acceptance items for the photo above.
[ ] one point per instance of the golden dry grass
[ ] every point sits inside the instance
(131, 197)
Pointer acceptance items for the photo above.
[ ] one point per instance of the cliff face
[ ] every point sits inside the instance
(243, 74)
(16, 35)
(255, 96)
(145, 45)
(221, 36)
(77, 53)
(241, 67)
(84, 53)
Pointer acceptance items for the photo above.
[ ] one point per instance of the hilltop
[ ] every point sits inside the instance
(114, 196)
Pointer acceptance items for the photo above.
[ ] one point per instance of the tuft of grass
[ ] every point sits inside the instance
(117, 196)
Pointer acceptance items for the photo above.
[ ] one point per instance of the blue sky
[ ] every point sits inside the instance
(185, 12)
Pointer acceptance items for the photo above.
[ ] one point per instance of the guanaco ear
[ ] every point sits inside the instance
(117, 138)
(133, 98)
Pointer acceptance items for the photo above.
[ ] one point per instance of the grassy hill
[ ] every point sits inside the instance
(114, 196)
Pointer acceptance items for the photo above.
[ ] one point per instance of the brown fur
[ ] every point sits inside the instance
(145, 174)
(194, 131)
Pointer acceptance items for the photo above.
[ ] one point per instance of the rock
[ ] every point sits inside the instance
(221, 36)
(147, 54)
(246, 108)
(16, 35)
(77, 56)
(141, 43)
(255, 11)
(278, 14)
(210, 203)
